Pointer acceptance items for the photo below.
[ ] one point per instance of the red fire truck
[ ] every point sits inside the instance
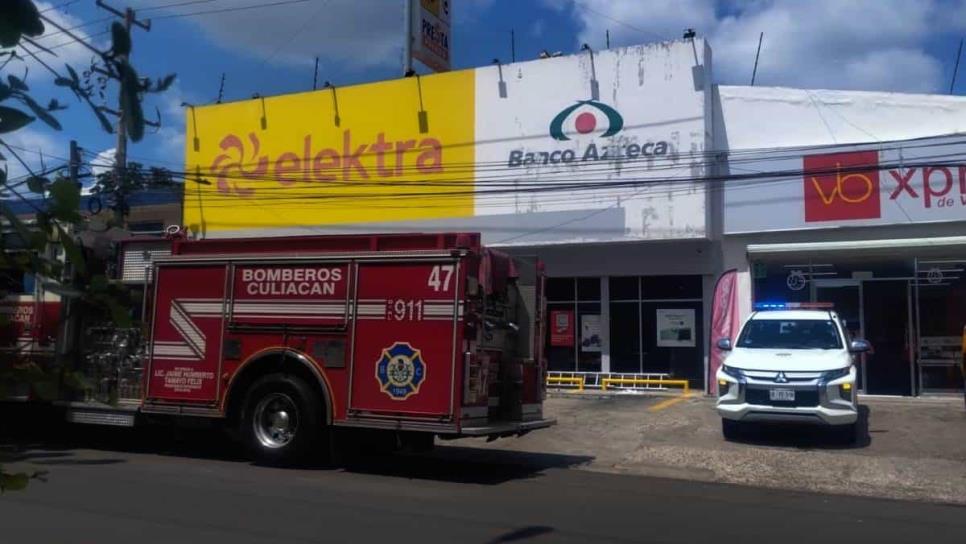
(28, 327)
(292, 340)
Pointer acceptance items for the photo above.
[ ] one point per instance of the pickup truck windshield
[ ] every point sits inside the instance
(790, 334)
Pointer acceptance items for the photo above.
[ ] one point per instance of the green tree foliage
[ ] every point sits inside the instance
(58, 215)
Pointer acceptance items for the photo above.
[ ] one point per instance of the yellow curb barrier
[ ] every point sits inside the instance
(686, 388)
(567, 380)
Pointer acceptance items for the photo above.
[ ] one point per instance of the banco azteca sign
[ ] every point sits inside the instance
(588, 118)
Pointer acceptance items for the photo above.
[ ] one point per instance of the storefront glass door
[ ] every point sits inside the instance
(941, 298)
(876, 298)
(888, 327)
(846, 297)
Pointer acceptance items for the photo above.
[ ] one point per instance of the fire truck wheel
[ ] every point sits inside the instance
(282, 422)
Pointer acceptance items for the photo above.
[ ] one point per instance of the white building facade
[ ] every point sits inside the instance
(630, 175)
(865, 209)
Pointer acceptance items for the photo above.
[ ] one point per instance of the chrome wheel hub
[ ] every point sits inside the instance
(276, 420)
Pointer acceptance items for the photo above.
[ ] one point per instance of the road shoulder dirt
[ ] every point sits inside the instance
(912, 449)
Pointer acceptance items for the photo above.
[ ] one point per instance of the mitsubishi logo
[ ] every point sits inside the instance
(780, 378)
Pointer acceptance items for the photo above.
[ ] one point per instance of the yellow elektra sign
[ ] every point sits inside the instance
(380, 152)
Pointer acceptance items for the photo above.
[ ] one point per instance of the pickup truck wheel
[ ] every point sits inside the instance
(282, 422)
(847, 435)
(730, 429)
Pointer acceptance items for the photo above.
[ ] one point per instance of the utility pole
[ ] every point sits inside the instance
(315, 76)
(221, 89)
(754, 72)
(407, 38)
(73, 165)
(120, 155)
(959, 55)
(66, 342)
(513, 46)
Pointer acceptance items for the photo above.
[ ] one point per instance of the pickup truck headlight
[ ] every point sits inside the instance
(832, 375)
(731, 371)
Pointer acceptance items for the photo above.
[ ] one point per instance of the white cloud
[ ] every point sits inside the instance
(169, 140)
(103, 161)
(954, 13)
(38, 149)
(859, 44)
(67, 50)
(631, 21)
(365, 33)
(351, 33)
(537, 28)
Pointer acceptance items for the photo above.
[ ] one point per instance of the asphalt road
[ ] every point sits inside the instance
(127, 491)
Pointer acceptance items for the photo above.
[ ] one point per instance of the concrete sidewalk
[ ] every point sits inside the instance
(911, 448)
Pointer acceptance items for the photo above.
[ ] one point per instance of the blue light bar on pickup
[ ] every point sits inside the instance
(765, 306)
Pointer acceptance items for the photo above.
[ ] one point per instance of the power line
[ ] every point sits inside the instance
(175, 5)
(34, 151)
(289, 39)
(75, 27)
(57, 7)
(672, 161)
(230, 10)
(72, 41)
(622, 23)
(747, 179)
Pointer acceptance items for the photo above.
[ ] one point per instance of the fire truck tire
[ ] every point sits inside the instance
(282, 421)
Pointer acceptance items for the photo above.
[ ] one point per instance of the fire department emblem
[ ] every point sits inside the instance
(400, 371)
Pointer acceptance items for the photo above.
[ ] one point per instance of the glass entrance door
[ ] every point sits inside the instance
(888, 327)
(846, 297)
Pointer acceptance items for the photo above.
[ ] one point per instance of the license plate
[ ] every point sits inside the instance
(783, 395)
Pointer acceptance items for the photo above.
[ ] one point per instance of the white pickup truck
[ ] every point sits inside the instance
(790, 366)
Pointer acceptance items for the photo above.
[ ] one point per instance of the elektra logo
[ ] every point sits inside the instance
(238, 172)
(842, 186)
(588, 118)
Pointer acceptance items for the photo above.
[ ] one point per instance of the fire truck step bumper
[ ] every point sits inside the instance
(95, 414)
(508, 428)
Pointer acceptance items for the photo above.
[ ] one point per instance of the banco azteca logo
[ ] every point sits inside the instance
(841, 186)
(587, 120)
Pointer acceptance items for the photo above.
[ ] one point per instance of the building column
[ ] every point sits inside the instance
(736, 256)
(604, 324)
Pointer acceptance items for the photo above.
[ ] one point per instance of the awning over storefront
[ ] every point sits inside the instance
(856, 247)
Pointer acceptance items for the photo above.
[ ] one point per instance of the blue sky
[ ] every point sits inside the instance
(877, 45)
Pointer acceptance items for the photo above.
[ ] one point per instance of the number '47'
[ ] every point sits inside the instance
(440, 277)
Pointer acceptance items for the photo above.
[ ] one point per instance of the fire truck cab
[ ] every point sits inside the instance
(291, 339)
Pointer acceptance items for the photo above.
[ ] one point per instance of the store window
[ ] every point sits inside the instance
(574, 341)
(656, 325)
(782, 281)
(941, 287)
(152, 227)
(911, 310)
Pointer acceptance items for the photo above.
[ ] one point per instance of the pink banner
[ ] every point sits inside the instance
(724, 322)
